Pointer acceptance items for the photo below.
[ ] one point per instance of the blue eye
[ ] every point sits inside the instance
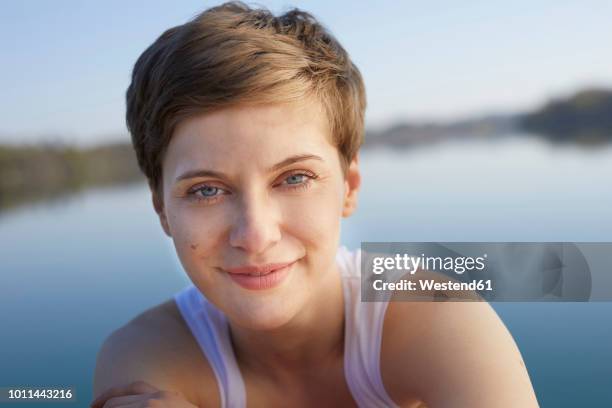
(208, 191)
(296, 179)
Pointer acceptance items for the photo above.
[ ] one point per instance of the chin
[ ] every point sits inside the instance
(263, 314)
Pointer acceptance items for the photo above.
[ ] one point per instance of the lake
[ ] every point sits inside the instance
(75, 269)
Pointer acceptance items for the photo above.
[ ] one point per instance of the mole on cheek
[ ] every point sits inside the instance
(194, 246)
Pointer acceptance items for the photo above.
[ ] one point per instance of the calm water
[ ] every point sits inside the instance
(74, 270)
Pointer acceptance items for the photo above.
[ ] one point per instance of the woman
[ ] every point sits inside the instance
(247, 127)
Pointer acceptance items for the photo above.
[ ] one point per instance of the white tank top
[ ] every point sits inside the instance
(362, 340)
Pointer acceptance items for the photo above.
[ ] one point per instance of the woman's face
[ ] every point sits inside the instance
(251, 186)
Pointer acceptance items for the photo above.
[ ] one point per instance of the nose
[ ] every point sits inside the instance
(256, 226)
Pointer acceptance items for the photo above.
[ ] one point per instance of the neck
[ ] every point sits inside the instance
(309, 341)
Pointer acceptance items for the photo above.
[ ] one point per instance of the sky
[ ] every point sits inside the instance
(65, 65)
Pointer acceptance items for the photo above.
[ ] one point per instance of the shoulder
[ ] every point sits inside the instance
(157, 347)
(452, 354)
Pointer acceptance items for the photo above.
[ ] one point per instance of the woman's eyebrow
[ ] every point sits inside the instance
(293, 159)
(211, 173)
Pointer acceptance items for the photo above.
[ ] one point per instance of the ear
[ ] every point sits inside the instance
(158, 205)
(352, 182)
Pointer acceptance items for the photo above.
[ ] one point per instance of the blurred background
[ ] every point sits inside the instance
(487, 121)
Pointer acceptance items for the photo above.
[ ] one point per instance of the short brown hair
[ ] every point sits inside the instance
(233, 54)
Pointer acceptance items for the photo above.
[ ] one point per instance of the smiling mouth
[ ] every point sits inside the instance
(258, 270)
(260, 277)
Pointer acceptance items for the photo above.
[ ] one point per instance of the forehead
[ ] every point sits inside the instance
(256, 135)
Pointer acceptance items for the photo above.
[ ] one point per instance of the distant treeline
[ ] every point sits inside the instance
(34, 172)
(585, 117)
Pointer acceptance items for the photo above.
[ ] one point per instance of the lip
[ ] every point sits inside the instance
(257, 270)
(260, 277)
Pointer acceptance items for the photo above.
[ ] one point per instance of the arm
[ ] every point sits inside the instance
(452, 354)
(158, 350)
(124, 358)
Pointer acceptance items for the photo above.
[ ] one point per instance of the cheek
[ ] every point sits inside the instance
(196, 233)
(315, 218)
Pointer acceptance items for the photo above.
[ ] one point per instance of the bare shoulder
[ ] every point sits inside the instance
(157, 347)
(452, 354)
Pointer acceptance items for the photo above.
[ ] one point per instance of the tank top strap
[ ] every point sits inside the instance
(210, 328)
(363, 336)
